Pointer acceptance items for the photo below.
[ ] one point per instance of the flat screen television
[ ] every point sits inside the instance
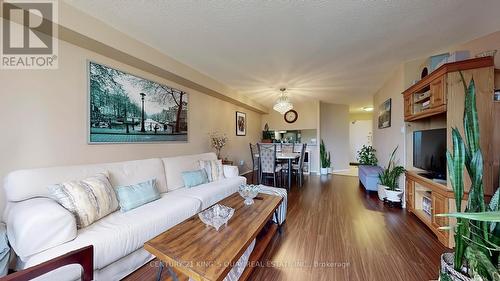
(429, 152)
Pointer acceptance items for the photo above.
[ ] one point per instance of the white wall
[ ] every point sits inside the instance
(360, 133)
(44, 119)
(385, 140)
(307, 112)
(334, 130)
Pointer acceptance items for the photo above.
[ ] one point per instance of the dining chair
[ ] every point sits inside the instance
(298, 168)
(268, 167)
(255, 162)
(287, 147)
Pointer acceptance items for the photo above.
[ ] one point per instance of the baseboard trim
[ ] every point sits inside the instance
(342, 170)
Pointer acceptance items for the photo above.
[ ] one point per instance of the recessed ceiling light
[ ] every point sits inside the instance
(368, 108)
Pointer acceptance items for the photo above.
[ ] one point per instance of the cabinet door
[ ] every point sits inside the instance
(410, 195)
(438, 94)
(408, 105)
(439, 206)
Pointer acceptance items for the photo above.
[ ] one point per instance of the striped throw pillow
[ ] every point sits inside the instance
(213, 168)
(88, 200)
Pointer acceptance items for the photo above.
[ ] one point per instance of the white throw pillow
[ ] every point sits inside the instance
(88, 200)
(214, 169)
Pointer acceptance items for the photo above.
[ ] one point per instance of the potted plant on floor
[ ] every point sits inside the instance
(388, 186)
(325, 159)
(477, 231)
(366, 156)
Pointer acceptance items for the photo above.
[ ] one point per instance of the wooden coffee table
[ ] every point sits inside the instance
(200, 252)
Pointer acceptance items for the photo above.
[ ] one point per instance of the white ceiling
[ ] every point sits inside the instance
(336, 51)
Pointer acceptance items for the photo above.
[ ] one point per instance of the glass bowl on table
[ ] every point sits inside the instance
(216, 216)
(248, 192)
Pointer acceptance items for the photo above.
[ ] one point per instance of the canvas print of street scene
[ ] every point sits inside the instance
(127, 108)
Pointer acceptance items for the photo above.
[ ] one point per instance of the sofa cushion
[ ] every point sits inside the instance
(25, 184)
(212, 192)
(120, 234)
(174, 166)
(39, 224)
(213, 168)
(230, 171)
(136, 195)
(194, 178)
(88, 199)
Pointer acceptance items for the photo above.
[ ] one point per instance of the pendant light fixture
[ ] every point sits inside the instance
(283, 103)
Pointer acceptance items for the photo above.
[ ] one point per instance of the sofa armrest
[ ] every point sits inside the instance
(37, 224)
(231, 171)
(83, 256)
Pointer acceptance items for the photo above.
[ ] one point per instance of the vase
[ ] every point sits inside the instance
(448, 268)
(381, 191)
(323, 171)
(393, 195)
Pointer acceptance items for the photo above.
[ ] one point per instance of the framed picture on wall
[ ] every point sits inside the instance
(241, 123)
(384, 114)
(124, 108)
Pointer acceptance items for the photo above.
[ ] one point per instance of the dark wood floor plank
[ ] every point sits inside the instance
(337, 231)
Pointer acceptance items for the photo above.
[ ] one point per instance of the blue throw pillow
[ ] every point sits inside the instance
(194, 178)
(136, 195)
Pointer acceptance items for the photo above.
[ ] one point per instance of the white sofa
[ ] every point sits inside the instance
(39, 229)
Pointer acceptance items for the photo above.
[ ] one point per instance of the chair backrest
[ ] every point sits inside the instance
(302, 156)
(287, 147)
(267, 157)
(254, 152)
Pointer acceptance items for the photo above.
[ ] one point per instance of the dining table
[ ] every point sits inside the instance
(289, 157)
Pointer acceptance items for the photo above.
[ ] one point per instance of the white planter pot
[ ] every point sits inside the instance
(323, 171)
(394, 195)
(381, 192)
(330, 170)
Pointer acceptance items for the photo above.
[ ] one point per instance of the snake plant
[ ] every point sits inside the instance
(324, 155)
(390, 175)
(477, 233)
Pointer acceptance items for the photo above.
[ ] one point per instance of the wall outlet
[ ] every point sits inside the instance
(242, 162)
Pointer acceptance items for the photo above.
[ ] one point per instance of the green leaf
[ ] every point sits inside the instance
(480, 264)
(444, 277)
(456, 164)
(480, 216)
(494, 206)
(495, 201)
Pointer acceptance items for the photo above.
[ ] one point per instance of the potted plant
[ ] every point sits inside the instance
(477, 231)
(366, 156)
(218, 141)
(388, 186)
(325, 159)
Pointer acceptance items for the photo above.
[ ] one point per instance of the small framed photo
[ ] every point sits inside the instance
(384, 114)
(241, 123)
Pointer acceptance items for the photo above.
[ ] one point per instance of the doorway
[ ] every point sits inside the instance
(360, 133)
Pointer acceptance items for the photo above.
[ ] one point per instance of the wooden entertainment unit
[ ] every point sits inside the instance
(435, 102)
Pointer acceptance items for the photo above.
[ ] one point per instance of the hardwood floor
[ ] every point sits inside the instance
(337, 231)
